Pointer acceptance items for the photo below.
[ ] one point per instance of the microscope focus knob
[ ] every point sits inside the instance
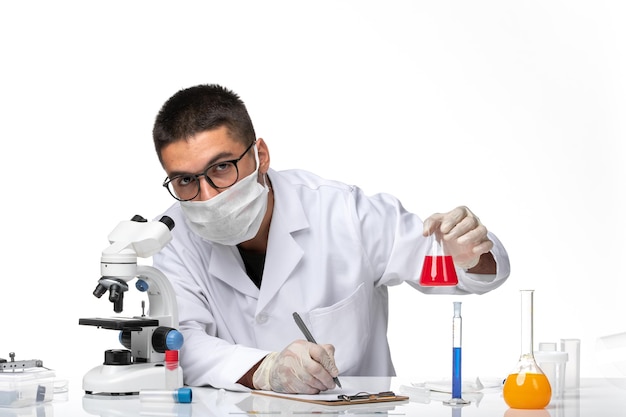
(166, 338)
(117, 357)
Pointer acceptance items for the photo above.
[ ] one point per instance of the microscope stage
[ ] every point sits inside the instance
(120, 323)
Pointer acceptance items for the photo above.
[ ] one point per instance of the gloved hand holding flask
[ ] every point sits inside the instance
(302, 367)
(464, 236)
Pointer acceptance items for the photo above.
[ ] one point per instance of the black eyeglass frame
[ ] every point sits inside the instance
(205, 174)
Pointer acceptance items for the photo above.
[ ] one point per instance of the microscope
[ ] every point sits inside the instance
(146, 338)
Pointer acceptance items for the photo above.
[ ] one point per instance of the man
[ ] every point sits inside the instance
(253, 245)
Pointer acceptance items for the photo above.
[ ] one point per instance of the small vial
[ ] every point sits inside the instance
(180, 395)
(172, 375)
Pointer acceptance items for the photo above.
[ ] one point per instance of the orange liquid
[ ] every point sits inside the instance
(529, 391)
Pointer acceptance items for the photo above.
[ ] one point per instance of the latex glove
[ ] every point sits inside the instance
(301, 368)
(464, 236)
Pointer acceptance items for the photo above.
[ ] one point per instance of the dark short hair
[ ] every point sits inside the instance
(198, 109)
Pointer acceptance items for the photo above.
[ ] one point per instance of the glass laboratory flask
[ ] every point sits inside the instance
(527, 387)
(438, 269)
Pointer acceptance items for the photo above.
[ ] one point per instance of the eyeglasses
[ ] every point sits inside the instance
(221, 175)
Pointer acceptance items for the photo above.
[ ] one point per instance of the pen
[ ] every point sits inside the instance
(310, 338)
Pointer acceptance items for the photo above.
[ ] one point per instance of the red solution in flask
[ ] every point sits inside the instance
(438, 271)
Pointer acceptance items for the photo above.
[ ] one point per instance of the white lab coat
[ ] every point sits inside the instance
(332, 252)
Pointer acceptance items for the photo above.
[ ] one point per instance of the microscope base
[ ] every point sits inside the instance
(128, 379)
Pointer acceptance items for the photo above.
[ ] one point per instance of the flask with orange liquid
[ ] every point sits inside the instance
(527, 387)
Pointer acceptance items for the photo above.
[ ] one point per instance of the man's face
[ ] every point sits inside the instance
(203, 150)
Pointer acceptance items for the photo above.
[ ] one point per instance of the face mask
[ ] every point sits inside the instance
(232, 216)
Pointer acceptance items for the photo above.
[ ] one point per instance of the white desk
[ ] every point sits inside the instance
(596, 398)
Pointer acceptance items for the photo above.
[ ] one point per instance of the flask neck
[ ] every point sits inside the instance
(527, 324)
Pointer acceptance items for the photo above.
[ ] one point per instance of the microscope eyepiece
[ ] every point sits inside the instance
(168, 221)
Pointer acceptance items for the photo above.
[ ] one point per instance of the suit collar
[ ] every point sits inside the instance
(283, 251)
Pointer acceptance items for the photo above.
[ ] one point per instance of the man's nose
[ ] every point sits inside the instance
(206, 190)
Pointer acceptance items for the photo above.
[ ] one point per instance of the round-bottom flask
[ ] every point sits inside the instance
(527, 387)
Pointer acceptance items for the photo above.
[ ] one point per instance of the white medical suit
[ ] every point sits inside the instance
(332, 252)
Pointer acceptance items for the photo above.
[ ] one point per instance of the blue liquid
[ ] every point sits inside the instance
(456, 372)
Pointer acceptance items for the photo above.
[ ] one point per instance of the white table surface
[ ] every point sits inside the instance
(596, 397)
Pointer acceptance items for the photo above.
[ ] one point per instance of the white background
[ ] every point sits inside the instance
(513, 108)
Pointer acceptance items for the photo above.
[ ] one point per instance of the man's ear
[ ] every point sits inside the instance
(264, 156)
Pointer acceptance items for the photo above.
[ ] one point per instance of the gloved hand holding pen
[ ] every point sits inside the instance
(464, 236)
(302, 367)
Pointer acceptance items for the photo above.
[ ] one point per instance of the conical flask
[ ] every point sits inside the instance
(438, 267)
(527, 386)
